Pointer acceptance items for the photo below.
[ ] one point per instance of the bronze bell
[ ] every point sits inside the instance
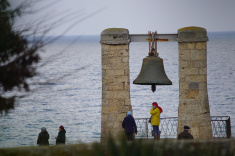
(152, 72)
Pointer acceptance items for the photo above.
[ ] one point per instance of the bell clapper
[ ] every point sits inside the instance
(153, 88)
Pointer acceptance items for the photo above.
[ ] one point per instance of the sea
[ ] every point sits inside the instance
(68, 87)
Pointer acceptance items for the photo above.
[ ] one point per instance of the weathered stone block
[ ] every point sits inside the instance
(203, 54)
(182, 96)
(116, 87)
(109, 53)
(113, 102)
(192, 94)
(194, 109)
(114, 36)
(123, 53)
(113, 72)
(121, 116)
(191, 46)
(108, 94)
(181, 125)
(114, 60)
(182, 72)
(195, 131)
(121, 79)
(192, 71)
(196, 78)
(105, 87)
(193, 101)
(184, 64)
(183, 85)
(115, 48)
(195, 55)
(196, 123)
(124, 110)
(107, 79)
(127, 72)
(125, 59)
(185, 54)
(203, 95)
(203, 71)
(203, 86)
(182, 78)
(201, 45)
(193, 85)
(122, 94)
(183, 108)
(105, 48)
(205, 108)
(182, 46)
(205, 134)
(200, 64)
(128, 102)
(106, 66)
(123, 65)
(192, 34)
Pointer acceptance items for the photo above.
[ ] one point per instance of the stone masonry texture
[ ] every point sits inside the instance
(115, 81)
(193, 107)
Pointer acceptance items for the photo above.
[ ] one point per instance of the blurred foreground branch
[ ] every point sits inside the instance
(19, 48)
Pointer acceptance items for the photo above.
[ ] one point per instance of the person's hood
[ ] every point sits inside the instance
(44, 132)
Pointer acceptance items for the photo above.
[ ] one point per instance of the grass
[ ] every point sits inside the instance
(138, 147)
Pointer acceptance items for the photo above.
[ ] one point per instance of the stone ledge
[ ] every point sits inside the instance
(115, 36)
(192, 34)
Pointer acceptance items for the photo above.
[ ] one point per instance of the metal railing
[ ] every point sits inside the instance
(221, 127)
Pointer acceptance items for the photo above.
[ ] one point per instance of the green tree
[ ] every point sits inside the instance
(18, 54)
(17, 58)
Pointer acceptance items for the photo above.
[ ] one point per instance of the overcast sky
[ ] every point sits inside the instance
(138, 16)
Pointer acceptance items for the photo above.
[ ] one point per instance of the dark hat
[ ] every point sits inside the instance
(186, 127)
(61, 127)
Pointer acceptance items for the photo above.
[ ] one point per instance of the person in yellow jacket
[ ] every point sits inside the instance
(155, 119)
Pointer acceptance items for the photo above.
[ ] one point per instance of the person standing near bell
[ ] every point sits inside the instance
(155, 112)
(60, 139)
(129, 126)
(186, 134)
(43, 137)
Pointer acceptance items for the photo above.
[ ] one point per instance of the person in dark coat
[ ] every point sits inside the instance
(43, 137)
(129, 126)
(186, 134)
(60, 139)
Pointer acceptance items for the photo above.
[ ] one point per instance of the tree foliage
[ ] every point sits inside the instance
(18, 55)
(17, 58)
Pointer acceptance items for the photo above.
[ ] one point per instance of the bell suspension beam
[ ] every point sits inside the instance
(158, 37)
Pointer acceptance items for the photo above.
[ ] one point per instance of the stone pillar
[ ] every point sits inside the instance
(115, 81)
(193, 108)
